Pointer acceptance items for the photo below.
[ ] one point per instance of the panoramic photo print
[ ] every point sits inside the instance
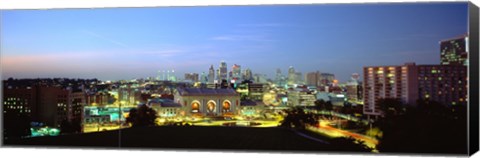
(361, 78)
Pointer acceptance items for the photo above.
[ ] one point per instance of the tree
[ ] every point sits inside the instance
(71, 126)
(391, 106)
(297, 118)
(328, 105)
(430, 127)
(142, 116)
(349, 144)
(16, 125)
(320, 104)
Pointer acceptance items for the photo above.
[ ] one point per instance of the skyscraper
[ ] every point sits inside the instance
(223, 71)
(236, 72)
(211, 74)
(248, 74)
(203, 78)
(312, 78)
(298, 78)
(353, 88)
(454, 51)
(279, 78)
(291, 76)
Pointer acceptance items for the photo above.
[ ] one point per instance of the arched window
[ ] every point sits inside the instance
(226, 106)
(211, 106)
(195, 106)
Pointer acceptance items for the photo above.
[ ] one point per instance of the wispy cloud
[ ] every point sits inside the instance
(163, 53)
(260, 38)
(105, 38)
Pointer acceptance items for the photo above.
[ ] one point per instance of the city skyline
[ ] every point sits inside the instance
(126, 43)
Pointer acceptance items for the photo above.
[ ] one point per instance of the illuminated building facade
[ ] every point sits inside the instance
(166, 108)
(127, 96)
(250, 108)
(454, 51)
(256, 90)
(104, 98)
(446, 84)
(301, 98)
(208, 102)
(389, 82)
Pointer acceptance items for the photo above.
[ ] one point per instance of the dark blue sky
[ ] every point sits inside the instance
(126, 43)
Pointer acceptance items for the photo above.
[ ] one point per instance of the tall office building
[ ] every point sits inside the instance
(354, 89)
(211, 74)
(326, 79)
(388, 82)
(49, 105)
(291, 76)
(203, 78)
(248, 74)
(446, 84)
(298, 77)
(278, 75)
(279, 78)
(236, 72)
(312, 78)
(454, 51)
(223, 71)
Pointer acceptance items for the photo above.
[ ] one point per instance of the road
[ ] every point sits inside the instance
(325, 128)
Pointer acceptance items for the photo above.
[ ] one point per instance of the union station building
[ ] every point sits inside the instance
(208, 102)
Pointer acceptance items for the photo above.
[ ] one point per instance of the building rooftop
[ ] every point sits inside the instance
(164, 102)
(206, 91)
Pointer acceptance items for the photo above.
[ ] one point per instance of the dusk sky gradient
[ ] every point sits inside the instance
(127, 43)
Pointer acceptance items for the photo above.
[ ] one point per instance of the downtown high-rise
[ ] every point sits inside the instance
(388, 82)
(454, 51)
(211, 74)
(222, 71)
